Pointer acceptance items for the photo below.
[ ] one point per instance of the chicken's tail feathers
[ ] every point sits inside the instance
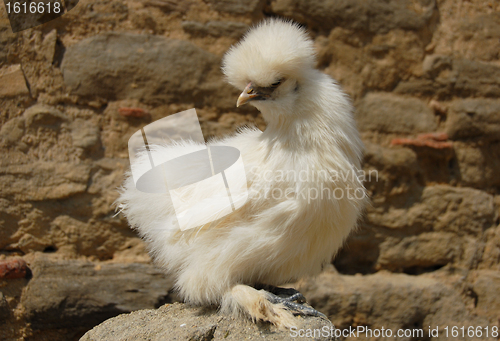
(245, 300)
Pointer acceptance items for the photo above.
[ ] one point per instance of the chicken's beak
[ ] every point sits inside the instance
(247, 95)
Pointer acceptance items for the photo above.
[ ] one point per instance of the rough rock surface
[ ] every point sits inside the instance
(387, 113)
(402, 302)
(144, 67)
(181, 322)
(361, 15)
(76, 295)
(73, 90)
(12, 82)
(473, 118)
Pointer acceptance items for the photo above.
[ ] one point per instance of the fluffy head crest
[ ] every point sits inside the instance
(273, 49)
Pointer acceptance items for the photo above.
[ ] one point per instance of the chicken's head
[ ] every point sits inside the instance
(270, 64)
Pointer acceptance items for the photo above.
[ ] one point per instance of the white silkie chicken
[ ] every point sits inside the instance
(304, 192)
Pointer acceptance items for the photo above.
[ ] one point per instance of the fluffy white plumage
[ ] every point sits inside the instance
(272, 239)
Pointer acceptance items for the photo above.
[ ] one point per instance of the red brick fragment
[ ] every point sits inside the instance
(13, 268)
(133, 112)
(431, 140)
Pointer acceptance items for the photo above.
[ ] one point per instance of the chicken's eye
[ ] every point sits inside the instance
(278, 82)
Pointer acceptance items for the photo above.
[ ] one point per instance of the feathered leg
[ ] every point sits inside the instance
(266, 306)
(256, 305)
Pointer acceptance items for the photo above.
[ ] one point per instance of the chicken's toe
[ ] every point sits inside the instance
(293, 307)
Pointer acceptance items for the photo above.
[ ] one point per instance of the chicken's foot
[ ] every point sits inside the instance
(292, 300)
(295, 308)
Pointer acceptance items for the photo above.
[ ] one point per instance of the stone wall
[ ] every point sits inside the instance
(424, 76)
